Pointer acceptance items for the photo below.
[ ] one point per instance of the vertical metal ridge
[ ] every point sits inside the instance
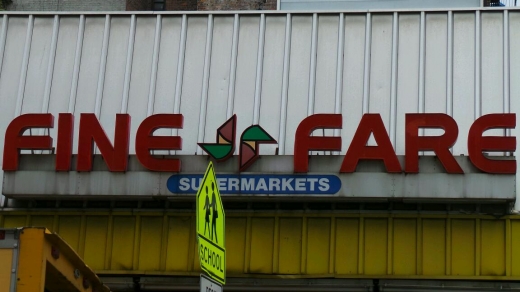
(449, 67)
(128, 66)
(507, 102)
(276, 244)
(192, 242)
(361, 246)
(180, 71)
(390, 246)
(137, 242)
(393, 81)
(339, 71)
(50, 66)
(312, 68)
(82, 236)
(205, 83)
(422, 56)
(366, 73)
(509, 250)
(164, 239)
(304, 245)
(233, 68)
(478, 59)
(180, 66)
(50, 72)
(3, 37)
(259, 70)
(506, 77)
(25, 63)
(155, 64)
(285, 85)
(248, 235)
(102, 66)
(332, 244)
(448, 246)
(109, 243)
(77, 63)
(478, 246)
(419, 244)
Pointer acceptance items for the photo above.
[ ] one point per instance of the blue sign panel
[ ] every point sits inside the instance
(250, 184)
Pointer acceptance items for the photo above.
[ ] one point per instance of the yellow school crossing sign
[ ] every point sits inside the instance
(211, 227)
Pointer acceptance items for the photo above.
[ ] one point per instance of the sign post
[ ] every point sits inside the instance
(211, 227)
(208, 285)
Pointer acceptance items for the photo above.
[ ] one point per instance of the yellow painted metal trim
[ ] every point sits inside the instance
(308, 250)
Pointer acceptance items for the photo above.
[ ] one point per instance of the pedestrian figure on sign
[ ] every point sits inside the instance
(207, 207)
(215, 213)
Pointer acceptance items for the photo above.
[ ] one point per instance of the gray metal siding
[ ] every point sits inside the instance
(67, 5)
(316, 5)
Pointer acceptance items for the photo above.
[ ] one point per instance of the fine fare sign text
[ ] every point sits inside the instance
(116, 154)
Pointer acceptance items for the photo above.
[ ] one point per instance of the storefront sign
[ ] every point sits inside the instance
(116, 154)
(211, 227)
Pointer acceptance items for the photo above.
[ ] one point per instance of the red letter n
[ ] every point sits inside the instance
(14, 141)
(439, 144)
(90, 131)
(304, 142)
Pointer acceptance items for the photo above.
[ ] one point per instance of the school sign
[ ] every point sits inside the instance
(211, 225)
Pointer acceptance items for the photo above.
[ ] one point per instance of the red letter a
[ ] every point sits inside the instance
(370, 123)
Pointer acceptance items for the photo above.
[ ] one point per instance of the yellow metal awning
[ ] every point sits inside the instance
(293, 245)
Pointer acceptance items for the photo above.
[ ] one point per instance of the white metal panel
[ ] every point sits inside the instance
(37, 65)
(247, 56)
(352, 102)
(326, 63)
(463, 76)
(492, 65)
(140, 75)
(407, 72)
(435, 67)
(380, 68)
(85, 101)
(115, 72)
(170, 38)
(219, 75)
(272, 77)
(327, 51)
(11, 69)
(298, 97)
(169, 35)
(63, 68)
(192, 82)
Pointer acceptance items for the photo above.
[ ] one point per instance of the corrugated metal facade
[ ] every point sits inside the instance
(273, 69)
